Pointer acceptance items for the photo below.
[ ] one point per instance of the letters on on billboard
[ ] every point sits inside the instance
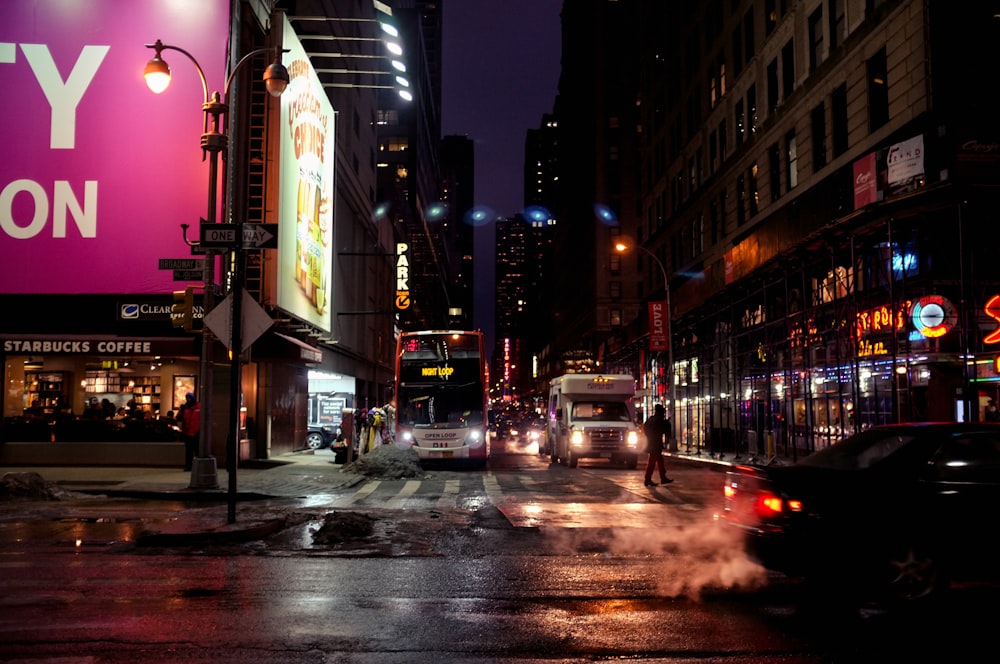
(98, 172)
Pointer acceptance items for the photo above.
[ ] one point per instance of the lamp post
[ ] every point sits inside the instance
(622, 247)
(214, 139)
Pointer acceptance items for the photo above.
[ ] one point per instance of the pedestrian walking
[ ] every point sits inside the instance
(658, 430)
(189, 418)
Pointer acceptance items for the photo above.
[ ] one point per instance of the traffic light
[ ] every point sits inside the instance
(182, 312)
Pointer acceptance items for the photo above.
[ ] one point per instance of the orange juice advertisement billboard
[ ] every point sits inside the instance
(305, 218)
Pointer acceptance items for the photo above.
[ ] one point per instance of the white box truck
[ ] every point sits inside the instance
(592, 416)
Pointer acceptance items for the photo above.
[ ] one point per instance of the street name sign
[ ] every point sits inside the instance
(188, 275)
(180, 264)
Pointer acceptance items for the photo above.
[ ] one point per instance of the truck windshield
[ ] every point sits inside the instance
(601, 411)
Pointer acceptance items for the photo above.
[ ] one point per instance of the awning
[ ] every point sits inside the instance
(275, 346)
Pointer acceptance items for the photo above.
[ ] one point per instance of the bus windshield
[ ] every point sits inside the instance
(440, 381)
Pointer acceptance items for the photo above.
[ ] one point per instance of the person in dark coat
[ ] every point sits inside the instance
(189, 419)
(657, 429)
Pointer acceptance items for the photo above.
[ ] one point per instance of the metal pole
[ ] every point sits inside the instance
(204, 471)
(235, 376)
(670, 344)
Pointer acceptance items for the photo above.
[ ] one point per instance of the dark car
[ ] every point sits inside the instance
(320, 436)
(903, 510)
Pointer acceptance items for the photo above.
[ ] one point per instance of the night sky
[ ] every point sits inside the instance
(500, 75)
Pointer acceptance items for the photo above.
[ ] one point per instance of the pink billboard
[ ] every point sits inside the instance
(98, 172)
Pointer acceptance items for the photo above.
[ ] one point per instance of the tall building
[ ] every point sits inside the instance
(458, 193)
(410, 171)
(596, 129)
(541, 177)
(511, 362)
(809, 193)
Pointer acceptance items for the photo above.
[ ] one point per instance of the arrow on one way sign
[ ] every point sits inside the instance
(260, 236)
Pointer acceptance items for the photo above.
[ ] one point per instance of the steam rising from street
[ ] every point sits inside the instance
(698, 554)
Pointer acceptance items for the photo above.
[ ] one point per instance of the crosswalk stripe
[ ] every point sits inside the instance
(366, 490)
(449, 497)
(399, 499)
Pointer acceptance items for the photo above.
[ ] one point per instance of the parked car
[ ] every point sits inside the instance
(899, 510)
(320, 436)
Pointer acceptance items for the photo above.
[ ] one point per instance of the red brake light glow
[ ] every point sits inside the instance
(768, 504)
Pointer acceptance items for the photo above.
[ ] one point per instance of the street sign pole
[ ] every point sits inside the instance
(235, 378)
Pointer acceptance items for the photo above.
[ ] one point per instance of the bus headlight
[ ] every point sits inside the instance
(405, 436)
(632, 439)
(576, 438)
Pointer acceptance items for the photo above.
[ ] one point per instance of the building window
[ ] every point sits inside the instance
(615, 264)
(740, 122)
(616, 318)
(787, 69)
(749, 43)
(838, 23)
(815, 39)
(770, 16)
(791, 161)
(722, 213)
(615, 290)
(774, 164)
(722, 140)
(838, 107)
(694, 112)
(697, 236)
(384, 117)
(737, 51)
(754, 196)
(772, 86)
(878, 91)
(713, 151)
(713, 220)
(741, 200)
(752, 110)
(819, 137)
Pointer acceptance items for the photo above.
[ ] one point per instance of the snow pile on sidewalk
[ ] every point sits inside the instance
(388, 461)
(28, 486)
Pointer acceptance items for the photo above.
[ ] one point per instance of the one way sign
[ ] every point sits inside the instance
(260, 236)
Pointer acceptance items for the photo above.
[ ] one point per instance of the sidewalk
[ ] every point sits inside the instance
(283, 476)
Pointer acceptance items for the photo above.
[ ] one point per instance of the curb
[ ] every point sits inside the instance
(227, 534)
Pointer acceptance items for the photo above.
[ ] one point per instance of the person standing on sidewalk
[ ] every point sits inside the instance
(189, 418)
(657, 429)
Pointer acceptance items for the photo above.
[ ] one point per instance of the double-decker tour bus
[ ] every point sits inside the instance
(442, 395)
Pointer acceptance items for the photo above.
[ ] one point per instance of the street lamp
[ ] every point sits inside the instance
(622, 247)
(214, 139)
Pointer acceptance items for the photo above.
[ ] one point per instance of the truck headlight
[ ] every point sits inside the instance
(576, 438)
(632, 439)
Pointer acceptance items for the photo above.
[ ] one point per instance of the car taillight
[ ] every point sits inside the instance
(769, 504)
